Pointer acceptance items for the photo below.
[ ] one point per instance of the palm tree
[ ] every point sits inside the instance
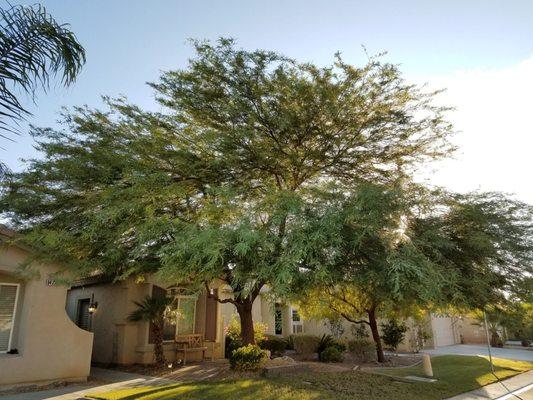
(152, 309)
(33, 47)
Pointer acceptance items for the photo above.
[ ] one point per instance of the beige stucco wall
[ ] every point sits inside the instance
(50, 346)
(119, 341)
(471, 332)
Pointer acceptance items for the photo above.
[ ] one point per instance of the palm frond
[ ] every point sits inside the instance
(150, 309)
(33, 48)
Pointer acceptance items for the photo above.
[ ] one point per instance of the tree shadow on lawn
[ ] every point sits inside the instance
(455, 374)
(251, 389)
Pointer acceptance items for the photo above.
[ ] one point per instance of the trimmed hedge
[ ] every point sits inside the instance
(363, 350)
(305, 344)
(275, 344)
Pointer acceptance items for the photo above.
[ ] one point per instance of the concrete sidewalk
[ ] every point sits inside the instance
(117, 380)
(500, 390)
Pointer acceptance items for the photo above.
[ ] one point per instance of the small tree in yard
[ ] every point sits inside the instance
(390, 250)
(393, 333)
(152, 310)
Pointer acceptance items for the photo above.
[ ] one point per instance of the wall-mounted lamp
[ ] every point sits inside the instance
(93, 306)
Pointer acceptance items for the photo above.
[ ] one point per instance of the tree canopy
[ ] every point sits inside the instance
(221, 183)
(395, 249)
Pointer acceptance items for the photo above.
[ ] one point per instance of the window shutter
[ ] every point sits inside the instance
(84, 321)
(8, 297)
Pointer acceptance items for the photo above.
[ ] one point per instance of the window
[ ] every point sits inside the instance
(278, 321)
(297, 324)
(184, 322)
(83, 317)
(8, 306)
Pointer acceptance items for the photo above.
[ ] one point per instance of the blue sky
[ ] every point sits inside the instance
(451, 43)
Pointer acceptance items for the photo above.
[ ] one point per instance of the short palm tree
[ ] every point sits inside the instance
(152, 309)
(33, 47)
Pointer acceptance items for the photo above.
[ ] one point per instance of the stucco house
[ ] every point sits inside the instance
(38, 342)
(119, 341)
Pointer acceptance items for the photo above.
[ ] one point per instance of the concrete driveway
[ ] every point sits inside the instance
(475, 350)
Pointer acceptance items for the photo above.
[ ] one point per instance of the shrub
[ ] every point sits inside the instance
(324, 342)
(393, 333)
(248, 358)
(359, 331)
(275, 344)
(290, 343)
(362, 350)
(327, 341)
(331, 354)
(419, 337)
(233, 334)
(305, 344)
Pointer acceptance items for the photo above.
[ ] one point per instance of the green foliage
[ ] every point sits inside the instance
(335, 326)
(233, 334)
(393, 333)
(331, 354)
(420, 335)
(363, 350)
(150, 309)
(33, 47)
(261, 170)
(247, 358)
(359, 331)
(305, 344)
(326, 342)
(153, 310)
(290, 342)
(216, 186)
(275, 344)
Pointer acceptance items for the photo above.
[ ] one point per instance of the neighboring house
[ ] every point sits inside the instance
(119, 341)
(38, 342)
(472, 332)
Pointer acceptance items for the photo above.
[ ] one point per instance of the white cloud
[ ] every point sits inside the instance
(494, 113)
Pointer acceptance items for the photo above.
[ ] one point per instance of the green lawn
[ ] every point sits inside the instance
(455, 374)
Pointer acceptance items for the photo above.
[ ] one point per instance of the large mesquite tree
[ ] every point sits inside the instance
(218, 184)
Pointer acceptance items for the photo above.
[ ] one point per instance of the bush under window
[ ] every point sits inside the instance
(305, 344)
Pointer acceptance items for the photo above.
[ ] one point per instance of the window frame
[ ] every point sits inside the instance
(296, 323)
(14, 315)
(177, 298)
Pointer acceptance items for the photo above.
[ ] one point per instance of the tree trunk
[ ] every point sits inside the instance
(158, 344)
(375, 334)
(244, 308)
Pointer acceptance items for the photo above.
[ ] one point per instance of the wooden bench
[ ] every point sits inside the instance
(190, 344)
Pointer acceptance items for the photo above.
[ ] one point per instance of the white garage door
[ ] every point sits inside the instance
(443, 331)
